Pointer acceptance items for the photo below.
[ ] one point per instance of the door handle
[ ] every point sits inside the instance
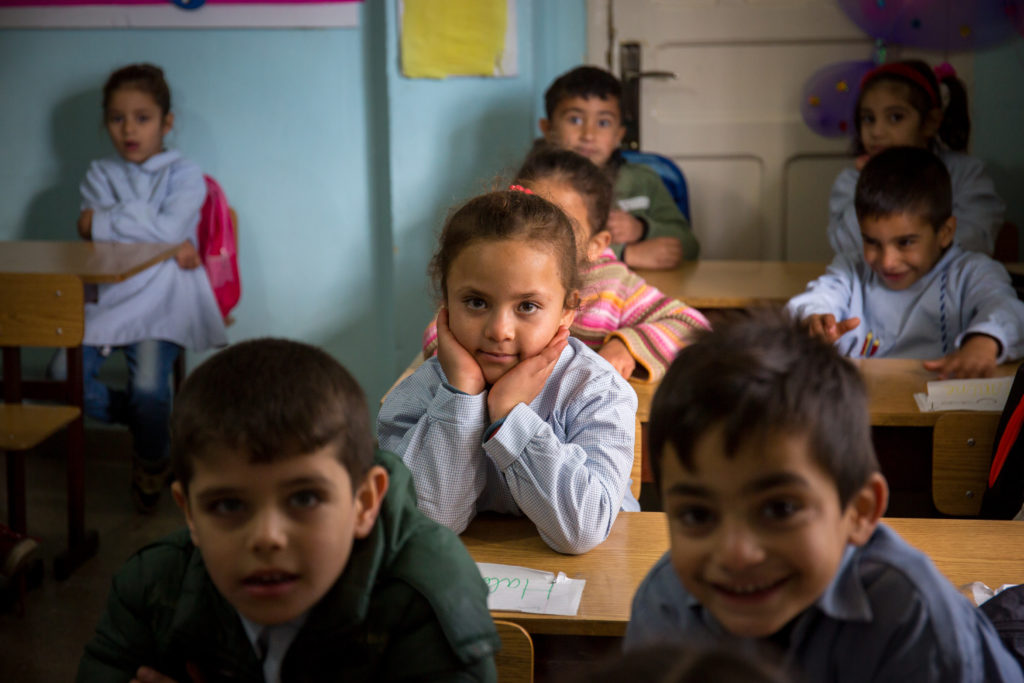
(633, 76)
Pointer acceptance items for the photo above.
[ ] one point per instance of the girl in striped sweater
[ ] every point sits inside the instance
(632, 325)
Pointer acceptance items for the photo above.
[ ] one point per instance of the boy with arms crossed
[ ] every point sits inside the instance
(305, 557)
(584, 114)
(761, 447)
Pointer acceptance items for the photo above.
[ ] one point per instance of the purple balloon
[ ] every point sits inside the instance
(936, 24)
(829, 97)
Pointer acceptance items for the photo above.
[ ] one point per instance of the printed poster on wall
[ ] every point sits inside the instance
(179, 13)
(458, 38)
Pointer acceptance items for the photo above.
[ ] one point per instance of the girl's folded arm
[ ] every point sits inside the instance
(437, 431)
(571, 490)
(173, 220)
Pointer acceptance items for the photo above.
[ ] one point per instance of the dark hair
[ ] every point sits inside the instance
(760, 373)
(270, 399)
(145, 77)
(585, 82)
(507, 215)
(548, 162)
(690, 662)
(955, 129)
(905, 180)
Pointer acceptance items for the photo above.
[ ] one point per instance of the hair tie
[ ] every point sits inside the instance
(907, 72)
(520, 188)
(944, 71)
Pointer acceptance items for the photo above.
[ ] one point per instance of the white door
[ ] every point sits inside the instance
(758, 177)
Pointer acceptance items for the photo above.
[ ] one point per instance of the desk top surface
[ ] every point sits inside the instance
(892, 383)
(94, 262)
(734, 284)
(964, 550)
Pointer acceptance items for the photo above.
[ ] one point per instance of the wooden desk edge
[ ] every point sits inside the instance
(167, 253)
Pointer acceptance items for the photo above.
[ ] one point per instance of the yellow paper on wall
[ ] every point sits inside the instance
(452, 37)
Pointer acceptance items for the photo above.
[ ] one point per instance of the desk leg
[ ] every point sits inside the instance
(82, 544)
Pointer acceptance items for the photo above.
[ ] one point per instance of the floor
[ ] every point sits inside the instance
(45, 644)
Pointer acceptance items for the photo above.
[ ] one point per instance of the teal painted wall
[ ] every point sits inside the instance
(340, 169)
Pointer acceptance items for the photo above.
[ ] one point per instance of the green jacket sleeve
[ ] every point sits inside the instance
(661, 215)
(123, 640)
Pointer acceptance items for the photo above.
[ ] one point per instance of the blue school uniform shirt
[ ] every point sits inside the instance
(888, 615)
(978, 209)
(564, 460)
(964, 293)
(155, 201)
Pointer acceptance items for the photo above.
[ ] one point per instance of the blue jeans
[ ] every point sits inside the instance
(144, 405)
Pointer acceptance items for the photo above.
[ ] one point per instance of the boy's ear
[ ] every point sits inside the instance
(867, 507)
(181, 500)
(947, 232)
(368, 499)
(598, 243)
(545, 126)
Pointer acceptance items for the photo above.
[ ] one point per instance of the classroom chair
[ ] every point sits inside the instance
(515, 659)
(670, 174)
(961, 455)
(44, 311)
(637, 473)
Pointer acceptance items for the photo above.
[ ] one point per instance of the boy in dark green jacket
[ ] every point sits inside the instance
(305, 557)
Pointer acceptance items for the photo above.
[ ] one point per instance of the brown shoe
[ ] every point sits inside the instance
(148, 482)
(15, 550)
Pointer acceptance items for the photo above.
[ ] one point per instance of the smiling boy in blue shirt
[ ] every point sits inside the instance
(761, 448)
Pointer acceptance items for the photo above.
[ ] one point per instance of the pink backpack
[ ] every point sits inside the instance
(218, 247)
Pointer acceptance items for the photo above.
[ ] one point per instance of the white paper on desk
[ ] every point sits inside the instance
(989, 393)
(519, 589)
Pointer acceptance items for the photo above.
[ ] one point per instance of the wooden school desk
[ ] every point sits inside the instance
(734, 284)
(963, 550)
(892, 383)
(94, 263)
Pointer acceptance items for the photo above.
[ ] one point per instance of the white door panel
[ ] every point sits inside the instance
(758, 176)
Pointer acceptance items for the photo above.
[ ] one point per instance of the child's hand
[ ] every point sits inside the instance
(616, 353)
(658, 253)
(187, 257)
(824, 326)
(461, 369)
(624, 227)
(148, 675)
(85, 224)
(976, 357)
(861, 161)
(522, 383)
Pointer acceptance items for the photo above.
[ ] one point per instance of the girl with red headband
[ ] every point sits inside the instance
(901, 104)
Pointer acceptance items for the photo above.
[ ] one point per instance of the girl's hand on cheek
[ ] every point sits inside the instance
(461, 369)
(522, 383)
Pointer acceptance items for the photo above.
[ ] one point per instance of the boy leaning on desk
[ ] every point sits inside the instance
(914, 293)
(760, 445)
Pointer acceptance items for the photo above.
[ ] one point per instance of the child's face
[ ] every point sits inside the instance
(505, 302)
(887, 119)
(903, 247)
(276, 536)
(589, 244)
(136, 125)
(758, 536)
(590, 126)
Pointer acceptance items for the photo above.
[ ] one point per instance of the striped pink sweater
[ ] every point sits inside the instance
(618, 303)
